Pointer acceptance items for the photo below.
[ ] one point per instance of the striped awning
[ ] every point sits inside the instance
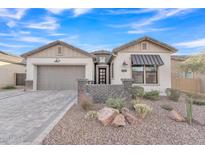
(146, 60)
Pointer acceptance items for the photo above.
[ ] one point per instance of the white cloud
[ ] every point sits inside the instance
(56, 34)
(144, 25)
(49, 23)
(12, 13)
(161, 15)
(56, 10)
(6, 34)
(11, 24)
(76, 12)
(24, 32)
(129, 11)
(33, 39)
(12, 45)
(80, 11)
(147, 30)
(192, 44)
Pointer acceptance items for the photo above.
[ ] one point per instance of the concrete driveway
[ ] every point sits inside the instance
(26, 117)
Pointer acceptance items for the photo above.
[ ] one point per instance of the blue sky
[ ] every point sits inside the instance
(22, 30)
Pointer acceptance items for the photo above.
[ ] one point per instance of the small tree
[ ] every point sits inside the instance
(196, 64)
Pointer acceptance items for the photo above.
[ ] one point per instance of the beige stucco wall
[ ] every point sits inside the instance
(164, 71)
(7, 73)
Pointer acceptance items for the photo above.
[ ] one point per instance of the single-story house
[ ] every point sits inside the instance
(58, 65)
(12, 70)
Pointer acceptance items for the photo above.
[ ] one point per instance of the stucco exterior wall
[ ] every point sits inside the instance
(7, 73)
(32, 64)
(164, 71)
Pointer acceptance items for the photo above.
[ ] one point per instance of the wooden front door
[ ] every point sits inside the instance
(102, 76)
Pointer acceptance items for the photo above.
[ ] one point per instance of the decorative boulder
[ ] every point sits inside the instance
(174, 115)
(128, 116)
(107, 115)
(119, 121)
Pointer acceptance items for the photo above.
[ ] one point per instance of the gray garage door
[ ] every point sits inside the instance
(59, 77)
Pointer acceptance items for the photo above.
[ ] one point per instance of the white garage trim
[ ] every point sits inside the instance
(32, 64)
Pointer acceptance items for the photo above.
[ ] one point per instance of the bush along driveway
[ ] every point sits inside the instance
(155, 124)
(25, 117)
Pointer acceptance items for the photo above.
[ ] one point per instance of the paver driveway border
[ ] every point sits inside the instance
(46, 131)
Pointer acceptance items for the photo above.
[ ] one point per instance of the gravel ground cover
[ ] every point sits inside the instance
(157, 128)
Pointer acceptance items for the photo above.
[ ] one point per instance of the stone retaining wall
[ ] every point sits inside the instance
(101, 92)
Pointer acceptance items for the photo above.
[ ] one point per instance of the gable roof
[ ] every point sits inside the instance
(10, 58)
(9, 54)
(99, 52)
(58, 42)
(145, 38)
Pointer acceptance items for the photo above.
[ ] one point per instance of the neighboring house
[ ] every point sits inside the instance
(58, 65)
(177, 72)
(12, 70)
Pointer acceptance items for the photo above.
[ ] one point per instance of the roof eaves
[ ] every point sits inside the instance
(115, 50)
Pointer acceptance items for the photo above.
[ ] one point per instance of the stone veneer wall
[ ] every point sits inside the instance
(101, 92)
(29, 84)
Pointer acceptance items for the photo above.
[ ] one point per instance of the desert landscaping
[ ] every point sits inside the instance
(143, 120)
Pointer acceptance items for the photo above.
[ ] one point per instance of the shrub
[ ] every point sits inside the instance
(152, 95)
(91, 115)
(137, 91)
(173, 94)
(9, 87)
(199, 101)
(135, 101)
(167, 107)
(142, 109)
(86, 102)
(116, 103)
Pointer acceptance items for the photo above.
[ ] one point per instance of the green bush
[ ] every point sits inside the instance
(142, 109)
(199, 101)
(86, 102)
(167, 107)
(9, 87)
(116, 103)
(173, 94)
(152, 95)
(91, 115)
(137, 91)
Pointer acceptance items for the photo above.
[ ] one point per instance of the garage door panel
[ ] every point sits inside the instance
(59, 77)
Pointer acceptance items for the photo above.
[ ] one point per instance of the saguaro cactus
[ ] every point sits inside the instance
(189, 110)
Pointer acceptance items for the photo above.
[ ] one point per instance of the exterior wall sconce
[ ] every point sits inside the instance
(57, 60)
(124, 64)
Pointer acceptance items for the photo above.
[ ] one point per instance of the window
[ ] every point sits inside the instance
(59, 53)
(145, 74)
(112, 69)
(151, 74)
(138, 74)
(102, 59)
(144, 46)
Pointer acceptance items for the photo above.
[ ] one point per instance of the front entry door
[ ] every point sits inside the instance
(102, 76)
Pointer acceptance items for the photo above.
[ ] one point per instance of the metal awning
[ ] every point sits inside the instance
(146, 60)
